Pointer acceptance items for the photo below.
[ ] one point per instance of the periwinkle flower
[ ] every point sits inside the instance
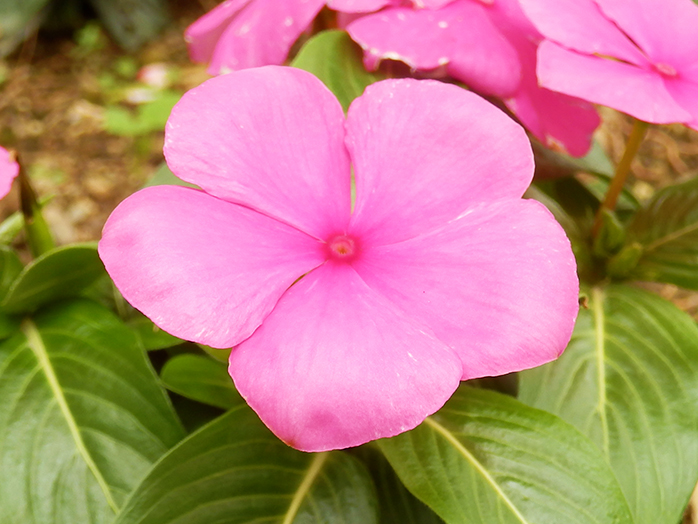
(639, 57)
(489, 45)
(347, 324)
(9, 169)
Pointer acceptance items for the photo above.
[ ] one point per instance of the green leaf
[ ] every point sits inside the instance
(132, 22)
(18, 20)
(667, 229)
(336, 59)
(61, 273)
(485, 458)
(235, 471)
(151, 336)
(202, 379)
(10, 268)
(148, 117)
(396, 504)
(164, 177)
(82, 417)
(629, 381)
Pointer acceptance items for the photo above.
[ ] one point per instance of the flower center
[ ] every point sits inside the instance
(342, 247)
(665, 69)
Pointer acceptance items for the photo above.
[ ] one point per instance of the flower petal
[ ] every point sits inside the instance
(666, 30)
(580, 25)
(270, 138)
(633, 90)
(686, 95)
(498, 285)
(336, 365)
(203, 35)
(360, 6)
(9, 169)
(460, 36)
(201, 268)
(262, 34)
(424, 151)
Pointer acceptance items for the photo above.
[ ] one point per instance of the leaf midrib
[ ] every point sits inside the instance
(477, 465)
(36, 344)
(600, 343)
(311, 474)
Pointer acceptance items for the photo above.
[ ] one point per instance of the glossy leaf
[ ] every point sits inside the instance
(667, 230)
(486, 458)
(202, 379)
(396, 504)
(629, 381)
(10, 268)
(151, 336)
(82, 417)
(235, 471)
(61, 273)
(335, 59)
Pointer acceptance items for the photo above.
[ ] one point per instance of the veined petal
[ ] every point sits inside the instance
(581, 26)
(639, 92)
(262, 34)
(271, 139)
(360, 6)
(203, 35)
(685, 92)
(498, 285)
(666, 30)
(9, 169)
(336, 365)
(425, 151)
(459, 36)
(201, 268)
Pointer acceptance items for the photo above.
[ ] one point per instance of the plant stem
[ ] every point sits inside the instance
(621, 174)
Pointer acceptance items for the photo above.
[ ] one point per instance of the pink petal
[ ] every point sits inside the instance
(633, 90)
(336, 365)
(425, 151)
(271, 139)
(498, 285)
(201, 268)
(9, 169)
(434, 4)
(262, 34)
(686, 95)
(580, 25)
(203, 35)
(666, 30)
(460, 36)
(360, 6)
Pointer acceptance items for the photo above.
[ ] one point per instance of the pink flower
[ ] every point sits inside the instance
(239, 34)
(9, 169)
(639, 57)
(489, 45)
(348, 325)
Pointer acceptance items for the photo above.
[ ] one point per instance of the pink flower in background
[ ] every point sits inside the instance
(347, 324)
(239, 34)
(9, 169)
(491, 47)
(639, 57)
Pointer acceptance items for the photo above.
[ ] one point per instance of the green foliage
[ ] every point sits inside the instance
(485, 458)
(667, 230)
(60, 273)
(132, 22)
(18, 19)
(82, 417)
(151, 336)
(335, 59)
(202, 379)
(628, 380)
(235, 471)
(148, 117)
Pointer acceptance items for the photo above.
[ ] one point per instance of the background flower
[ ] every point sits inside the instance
(9, 169)
(440, 273)
(491, 47)
(640, 58)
